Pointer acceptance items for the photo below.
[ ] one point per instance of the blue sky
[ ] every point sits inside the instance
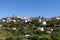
(28, 8)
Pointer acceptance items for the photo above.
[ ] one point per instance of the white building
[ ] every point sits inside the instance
(40, 20)
(3, 20)
(13, 28)
(41, 28)
(26, 21)
(14, 20)
(27, 35)
(57, 18)
(44, 23)
(9, 20)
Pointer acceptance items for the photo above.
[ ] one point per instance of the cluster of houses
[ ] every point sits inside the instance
(21, 19)
(14, 18)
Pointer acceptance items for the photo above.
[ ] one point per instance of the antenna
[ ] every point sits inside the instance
(13, 14)
(12, 11)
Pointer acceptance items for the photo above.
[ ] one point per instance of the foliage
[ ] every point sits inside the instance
(6, 32)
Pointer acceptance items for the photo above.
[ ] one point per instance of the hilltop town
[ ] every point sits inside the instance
(29, 28)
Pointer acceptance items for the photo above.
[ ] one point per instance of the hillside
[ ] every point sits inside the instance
(32, 28)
